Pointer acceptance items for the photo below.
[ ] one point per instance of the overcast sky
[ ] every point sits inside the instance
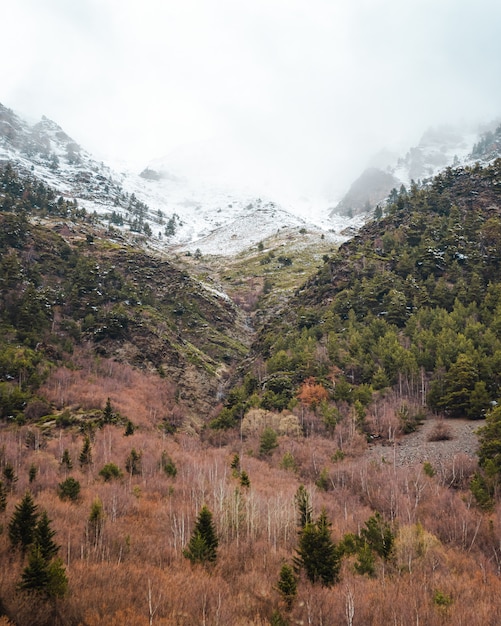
(301, 92)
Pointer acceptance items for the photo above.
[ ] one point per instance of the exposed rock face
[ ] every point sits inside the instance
(371, 188)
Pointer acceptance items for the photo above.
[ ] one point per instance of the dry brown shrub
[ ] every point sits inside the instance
(441, 432)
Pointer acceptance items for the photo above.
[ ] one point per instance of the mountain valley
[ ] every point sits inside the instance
(237, 415)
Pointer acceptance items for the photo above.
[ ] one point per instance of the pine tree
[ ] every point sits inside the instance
(66, 461)
(22, 526)
(202, 547)
(108, 415)
(129, 429)
(133, 462)
(317, 553)
(86, 453)
(3, 497)
(44, 577)
(44, 538)
(287, 585)
(302, 499)
(32, 474)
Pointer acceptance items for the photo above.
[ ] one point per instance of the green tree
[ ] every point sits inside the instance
(22, 526)
(44, 538)
(45, 577)
(202, 547)
(108, 414)
(3, 497)
(133, 462)
(69, 489)
(287, 585)
(85, 457)
(317, 554)
(9, 475)
(32, 473)
(268, 442)
(96, 522)
(110, 471)
(303, 503)
(66, 461)
(378, 535)
(129, 429)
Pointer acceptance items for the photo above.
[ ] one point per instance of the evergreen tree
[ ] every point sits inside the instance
(378, 535)
(3, 497)
(85, 457)
(287, 585)
(22, 526)
(302, 499)
(66, 461)
(69, 489)
(133, 462)
(44, 577)
(317, 554)
(129, 429)
(202, 547)
(108, 415)
(32, 474)
(9, 475)
(44, 538)
(268, 442)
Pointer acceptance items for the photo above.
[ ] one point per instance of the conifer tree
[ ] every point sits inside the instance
(44, 538)
(44, 577)
(3, 497)
(22, 526)
(108, 415)
(287, 585)
(202, 547)
(86, 453)
(66, 461)
(302, 499)
(317, 554)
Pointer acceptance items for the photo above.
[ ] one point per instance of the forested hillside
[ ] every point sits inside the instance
(155, 469)
(411, 306)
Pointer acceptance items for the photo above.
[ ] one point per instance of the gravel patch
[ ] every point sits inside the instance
(416, 447)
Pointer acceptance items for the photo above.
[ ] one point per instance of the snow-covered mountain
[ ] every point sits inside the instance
(438, 148)
(171, 211)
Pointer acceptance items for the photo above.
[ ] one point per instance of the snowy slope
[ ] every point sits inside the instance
(187, 213)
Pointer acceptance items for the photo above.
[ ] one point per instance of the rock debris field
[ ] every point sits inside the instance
(417, 447)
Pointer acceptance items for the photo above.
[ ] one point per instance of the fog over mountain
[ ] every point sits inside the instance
(291, 97)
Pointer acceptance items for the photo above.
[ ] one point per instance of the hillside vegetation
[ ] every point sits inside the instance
(164, 463)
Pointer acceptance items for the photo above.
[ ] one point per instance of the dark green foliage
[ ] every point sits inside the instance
(365, 563)
(412, 303)
(110, 471)
(32, 473)
(44, 538)
(303, 504)
(22, 526)
(9, 476)
(244, 479)
(267, 442)
(133, 462)
(287, 585)
(317, 554)
(69, 489)
(378, 535)
(202, 547)
(3, 497)
(45, 577)
(66, 461)
(85, 458)
(108, 414)
(168, 465)
(129, 429)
